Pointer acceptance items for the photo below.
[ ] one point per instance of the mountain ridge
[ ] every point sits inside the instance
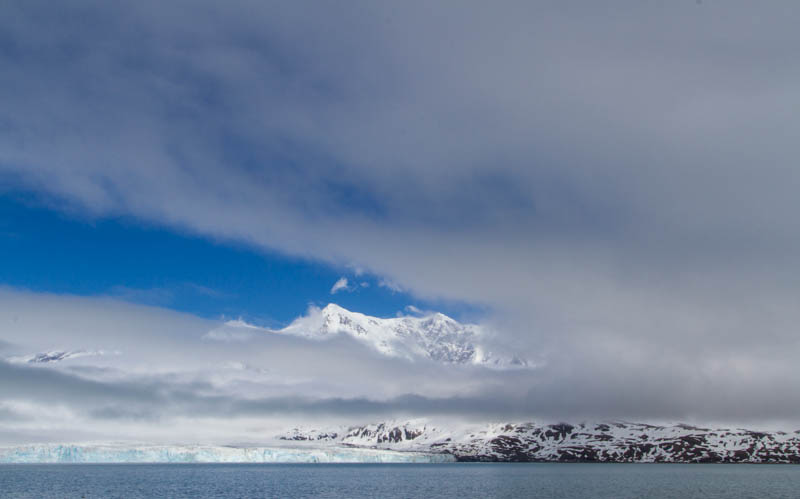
(613, 441)
(433, 336)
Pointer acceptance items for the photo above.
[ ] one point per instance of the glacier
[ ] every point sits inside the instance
(121, 453)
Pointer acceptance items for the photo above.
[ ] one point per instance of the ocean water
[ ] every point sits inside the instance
(460, 480)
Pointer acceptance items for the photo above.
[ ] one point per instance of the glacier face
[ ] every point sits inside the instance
(120, 453)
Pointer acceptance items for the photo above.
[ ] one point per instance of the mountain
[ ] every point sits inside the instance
(421, 441)
(584, 442)
(434, 336)
(54, 356)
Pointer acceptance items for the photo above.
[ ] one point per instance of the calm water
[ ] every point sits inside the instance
(567, 481)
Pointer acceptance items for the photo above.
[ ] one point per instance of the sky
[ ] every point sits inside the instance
(611, 189)
(141, 262)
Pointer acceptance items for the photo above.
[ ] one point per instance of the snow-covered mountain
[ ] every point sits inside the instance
(608, 442)
(56, 356)
(434, 336)
(421, 441)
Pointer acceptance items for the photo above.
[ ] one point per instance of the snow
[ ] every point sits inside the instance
(435, 336)
(57, 356)
(120, 453)
(604, 441)
(424, 441)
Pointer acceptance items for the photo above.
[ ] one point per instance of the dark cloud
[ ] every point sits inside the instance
(608, 397)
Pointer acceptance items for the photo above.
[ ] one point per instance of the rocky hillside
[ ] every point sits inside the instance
(585, 442)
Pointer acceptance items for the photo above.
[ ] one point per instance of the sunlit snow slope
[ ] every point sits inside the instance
(434, 336)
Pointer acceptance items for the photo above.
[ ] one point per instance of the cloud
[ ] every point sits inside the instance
(615, 185)
(413, 310)
(237, 330)
(166, 369)
(343, 284)
(390, 285)
(340, 285)
(169, 381)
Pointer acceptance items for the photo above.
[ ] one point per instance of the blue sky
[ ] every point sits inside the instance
(50, 250)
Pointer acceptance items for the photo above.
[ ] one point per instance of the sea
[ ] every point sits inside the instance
(455, 480)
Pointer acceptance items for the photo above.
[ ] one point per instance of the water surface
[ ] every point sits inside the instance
(567, 481)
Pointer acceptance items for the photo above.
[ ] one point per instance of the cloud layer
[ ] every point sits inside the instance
(171, 377)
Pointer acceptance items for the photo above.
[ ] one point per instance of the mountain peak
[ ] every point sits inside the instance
(434, 336)
(332, 308)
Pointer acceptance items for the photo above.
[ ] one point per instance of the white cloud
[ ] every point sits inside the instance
(390, 285)
(168, 377)
(413, 310)
(340, 285)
